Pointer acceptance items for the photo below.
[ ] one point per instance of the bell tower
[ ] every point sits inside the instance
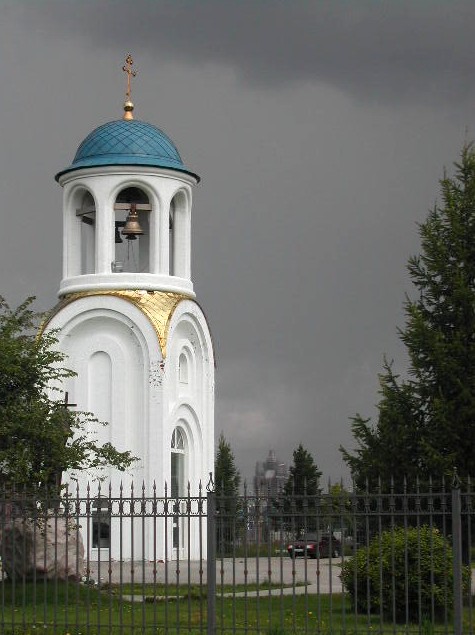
(127, 209)
(127, 317)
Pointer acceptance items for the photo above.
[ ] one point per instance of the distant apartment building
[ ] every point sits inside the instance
(270, 476)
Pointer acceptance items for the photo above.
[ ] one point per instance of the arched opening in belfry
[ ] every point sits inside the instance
(132, 211)
(87, 213)
(179, 239)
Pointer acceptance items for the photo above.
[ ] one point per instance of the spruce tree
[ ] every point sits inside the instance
(426, 422)
(226, 475)
(303, 475)
(228, 508)
(298, 505)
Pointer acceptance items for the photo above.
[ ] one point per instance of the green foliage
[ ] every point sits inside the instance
(426, 423)
(229, 513)
(396, 447)
(226, 474)
(403, 562)
(39, 437)
(303, 475)
(336, 510)
(301, 486)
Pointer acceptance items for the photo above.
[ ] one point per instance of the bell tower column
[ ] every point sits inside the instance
(104, 228)
(155, 230)
(164, 237)
(181, 238)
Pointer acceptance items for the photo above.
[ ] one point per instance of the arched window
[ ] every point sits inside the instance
(177, 489)
(132, 231)
(178, 440)
(178, 463)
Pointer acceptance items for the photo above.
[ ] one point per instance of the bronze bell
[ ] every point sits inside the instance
(132, 227)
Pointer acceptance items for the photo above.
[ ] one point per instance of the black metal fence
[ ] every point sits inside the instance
(394, 560)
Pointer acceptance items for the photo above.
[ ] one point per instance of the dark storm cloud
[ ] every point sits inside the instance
(319, 128)
(379, 50)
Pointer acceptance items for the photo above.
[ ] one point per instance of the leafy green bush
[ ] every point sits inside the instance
(399, 569)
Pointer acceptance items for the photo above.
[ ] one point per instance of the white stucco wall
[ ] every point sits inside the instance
(124, 380)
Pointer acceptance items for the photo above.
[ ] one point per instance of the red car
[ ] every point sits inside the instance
(314, 545)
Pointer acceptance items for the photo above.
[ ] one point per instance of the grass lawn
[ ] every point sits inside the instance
(58, 609)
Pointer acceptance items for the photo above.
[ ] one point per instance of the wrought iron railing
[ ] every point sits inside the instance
(391, 560)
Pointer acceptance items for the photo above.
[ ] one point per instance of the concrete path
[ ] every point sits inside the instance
(298, 576)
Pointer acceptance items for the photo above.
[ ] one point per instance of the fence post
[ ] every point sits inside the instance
(211, 561)
(457, 553)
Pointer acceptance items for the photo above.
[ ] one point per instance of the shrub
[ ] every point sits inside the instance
(400, 569)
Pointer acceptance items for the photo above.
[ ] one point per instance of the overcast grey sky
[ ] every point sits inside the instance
(320, 130)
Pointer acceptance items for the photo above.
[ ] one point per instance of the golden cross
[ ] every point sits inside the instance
(127, 68)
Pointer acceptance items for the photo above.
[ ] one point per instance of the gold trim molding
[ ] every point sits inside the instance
(157, 306)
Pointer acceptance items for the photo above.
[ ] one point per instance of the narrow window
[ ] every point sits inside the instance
(101, 524)
(177, 488)
(178, 463)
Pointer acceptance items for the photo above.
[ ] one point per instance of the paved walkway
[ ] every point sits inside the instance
(298, 576)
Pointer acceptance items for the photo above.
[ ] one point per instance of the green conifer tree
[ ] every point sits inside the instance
(226, 475)
(227, 481)
(298, 503)
(426, 422)
(303, 474)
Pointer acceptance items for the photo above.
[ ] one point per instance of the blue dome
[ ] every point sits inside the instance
(127, 143)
